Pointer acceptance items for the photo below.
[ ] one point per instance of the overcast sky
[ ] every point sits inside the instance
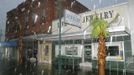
(6, 5)
(91, 4)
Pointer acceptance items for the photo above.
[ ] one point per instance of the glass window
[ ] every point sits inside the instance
(34, 18)
(87, 41)
(113, 50)
(77, 42)
(46, 50)
(43, 15)
(71, 50)
(88, 46)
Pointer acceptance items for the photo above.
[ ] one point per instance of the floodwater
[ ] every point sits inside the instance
(13, 68)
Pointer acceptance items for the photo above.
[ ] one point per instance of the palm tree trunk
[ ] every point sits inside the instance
(21, 54)
(102, 54)
(21, 47)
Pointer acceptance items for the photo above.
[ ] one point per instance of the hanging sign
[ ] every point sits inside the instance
(71, 18)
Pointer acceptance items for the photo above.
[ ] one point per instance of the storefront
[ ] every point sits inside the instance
(118, 44)
(8, 50)
(76, 42)
(73, 52)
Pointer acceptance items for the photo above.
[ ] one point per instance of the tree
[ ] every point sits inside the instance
(100, 32)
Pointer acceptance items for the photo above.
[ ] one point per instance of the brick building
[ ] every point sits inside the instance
(35, 16)
(12, 27)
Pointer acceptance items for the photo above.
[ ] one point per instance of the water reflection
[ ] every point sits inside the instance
(12, 68)
(15, 69)
(20, 74)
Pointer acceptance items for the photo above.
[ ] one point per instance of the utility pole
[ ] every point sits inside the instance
(60, 13)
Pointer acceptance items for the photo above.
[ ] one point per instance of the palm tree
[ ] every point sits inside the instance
(100, 32)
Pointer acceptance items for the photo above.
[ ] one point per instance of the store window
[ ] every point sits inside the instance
(34, 18)
(77, 41)
(71, 50)
(112, 50)
(43, 15)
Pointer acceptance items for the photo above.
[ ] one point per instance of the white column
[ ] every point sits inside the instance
(131, 21)
(39, 52)
(82, 47)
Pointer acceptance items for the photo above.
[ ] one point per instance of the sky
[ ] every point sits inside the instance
(7, 5)
(95, 4)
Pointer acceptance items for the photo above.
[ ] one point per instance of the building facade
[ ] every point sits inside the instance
(32, 19)
(77, 42)
(36, 16)
(40, 23)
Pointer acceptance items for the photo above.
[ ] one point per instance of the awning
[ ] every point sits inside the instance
(114, 31)
(9, 44)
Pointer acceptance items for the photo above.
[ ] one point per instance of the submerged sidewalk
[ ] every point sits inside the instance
(13, 68)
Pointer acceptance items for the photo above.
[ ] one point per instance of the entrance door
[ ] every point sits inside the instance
(48, 52)
(87, 53)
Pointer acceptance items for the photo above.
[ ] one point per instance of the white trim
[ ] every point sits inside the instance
(115, 31)
(77, 35)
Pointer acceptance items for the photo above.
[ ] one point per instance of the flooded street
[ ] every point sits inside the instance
(12, 68)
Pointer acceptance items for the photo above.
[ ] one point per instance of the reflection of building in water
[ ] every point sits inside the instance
(130, 64)
(45, 69)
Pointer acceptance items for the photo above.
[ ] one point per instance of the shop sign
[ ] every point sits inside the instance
(115, 16)
(71, 18)
(102, 15)
(71, 50)
(118, 14)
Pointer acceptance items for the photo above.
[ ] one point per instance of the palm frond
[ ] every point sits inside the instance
(99, 25)
(115, 19)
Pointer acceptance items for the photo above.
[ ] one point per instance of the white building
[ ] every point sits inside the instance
(77, 42)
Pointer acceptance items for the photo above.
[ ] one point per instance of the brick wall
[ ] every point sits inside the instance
(36, 16)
